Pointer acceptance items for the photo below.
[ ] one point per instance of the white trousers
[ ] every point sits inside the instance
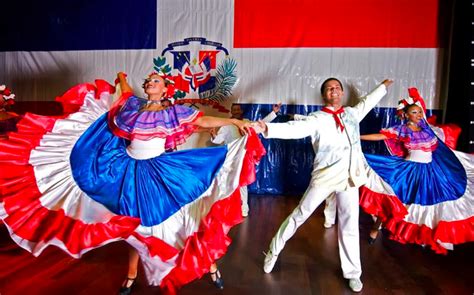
(330, 209)
(244, 196)
(348, 226)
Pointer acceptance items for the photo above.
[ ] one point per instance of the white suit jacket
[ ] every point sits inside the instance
(338, 161)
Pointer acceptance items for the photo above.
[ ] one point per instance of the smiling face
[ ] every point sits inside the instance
(155, 87)
(332, 93)
(414, 114)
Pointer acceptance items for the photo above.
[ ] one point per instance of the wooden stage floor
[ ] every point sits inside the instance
(309, 263)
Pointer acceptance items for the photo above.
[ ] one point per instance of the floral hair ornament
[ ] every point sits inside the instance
(7, 95)
(168, 78)
(413, 99)
(169, 82)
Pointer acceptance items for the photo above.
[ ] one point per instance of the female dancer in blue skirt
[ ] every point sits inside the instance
(100, 174)
(423, 193)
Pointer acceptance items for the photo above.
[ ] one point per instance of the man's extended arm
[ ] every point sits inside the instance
(270, 117)
(368, 102)
(273, 114)
(289, 130)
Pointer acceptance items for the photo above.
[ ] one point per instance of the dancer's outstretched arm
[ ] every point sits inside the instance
(373, 137)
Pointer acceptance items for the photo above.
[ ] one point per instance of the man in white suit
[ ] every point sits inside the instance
(338, 168)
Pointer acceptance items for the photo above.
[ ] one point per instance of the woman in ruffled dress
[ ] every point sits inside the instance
(100, 173)
(423, 193)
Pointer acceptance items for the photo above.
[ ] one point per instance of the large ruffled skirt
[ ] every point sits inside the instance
(423, 203)
(68, 181)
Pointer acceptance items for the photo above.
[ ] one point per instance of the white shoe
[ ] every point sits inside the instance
(328, 224)
(245, 210)
(355, 285)
(269, 262)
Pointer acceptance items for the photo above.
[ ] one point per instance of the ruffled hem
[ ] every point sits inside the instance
(179, 133)
(45, 227)
(401, 138)
(32, 225)
(392, 213)
(386, 207)
(206, 245)
(211, 241)
(450, 132)
(446, 232)
(180, 136)
(394, 143)
(174, 123)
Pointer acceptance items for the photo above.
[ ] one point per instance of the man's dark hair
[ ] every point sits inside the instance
(327, 80)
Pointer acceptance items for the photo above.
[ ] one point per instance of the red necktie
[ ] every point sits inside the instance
(335, 115)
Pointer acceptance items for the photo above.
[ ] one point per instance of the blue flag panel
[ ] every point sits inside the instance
(78, 25)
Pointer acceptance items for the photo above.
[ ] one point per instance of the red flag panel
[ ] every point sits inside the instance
(336, 23)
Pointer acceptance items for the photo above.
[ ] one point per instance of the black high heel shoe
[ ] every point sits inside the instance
(374, 231)
(372, 240)
(217, 279)
(124, 290)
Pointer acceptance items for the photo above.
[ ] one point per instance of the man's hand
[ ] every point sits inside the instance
(259, 127)
(276, 107)
(387, 82)
(213, 132)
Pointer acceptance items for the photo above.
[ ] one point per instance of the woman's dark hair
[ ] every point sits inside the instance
(327, 80)
(408, 107)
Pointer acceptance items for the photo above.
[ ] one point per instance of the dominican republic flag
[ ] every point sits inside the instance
(283, 49)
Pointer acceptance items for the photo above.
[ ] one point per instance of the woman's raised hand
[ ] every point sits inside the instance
(243, 126)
